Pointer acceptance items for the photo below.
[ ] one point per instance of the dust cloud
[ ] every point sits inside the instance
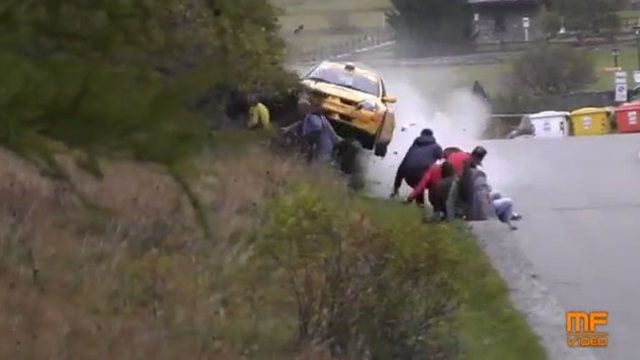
(455, 115)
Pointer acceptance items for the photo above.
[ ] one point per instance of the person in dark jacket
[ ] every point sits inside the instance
(477, 155)
(423, 153)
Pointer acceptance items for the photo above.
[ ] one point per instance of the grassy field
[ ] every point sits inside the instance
(331, 14)
(329, 22)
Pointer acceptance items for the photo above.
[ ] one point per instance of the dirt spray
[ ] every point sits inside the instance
(455, 115)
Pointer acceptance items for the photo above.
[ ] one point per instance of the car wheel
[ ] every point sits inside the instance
(380, 150)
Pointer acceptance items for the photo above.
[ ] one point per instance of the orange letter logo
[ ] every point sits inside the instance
(581, 329)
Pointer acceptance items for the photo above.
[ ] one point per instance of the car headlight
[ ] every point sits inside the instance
(368, 105)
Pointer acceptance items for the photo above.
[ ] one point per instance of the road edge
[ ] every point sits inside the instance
(529, 295)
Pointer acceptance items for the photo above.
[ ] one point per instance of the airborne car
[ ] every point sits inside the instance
(355, 101)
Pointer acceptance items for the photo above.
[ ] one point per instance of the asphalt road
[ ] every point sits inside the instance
(581, 202)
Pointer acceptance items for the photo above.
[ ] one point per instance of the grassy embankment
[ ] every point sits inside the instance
(138, 280)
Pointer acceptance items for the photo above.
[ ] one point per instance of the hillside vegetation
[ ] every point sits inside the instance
(130, 231)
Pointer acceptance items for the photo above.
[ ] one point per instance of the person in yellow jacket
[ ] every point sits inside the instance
(258, 114)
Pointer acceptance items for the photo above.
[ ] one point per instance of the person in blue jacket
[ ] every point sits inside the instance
(316, 132)
(423, 153)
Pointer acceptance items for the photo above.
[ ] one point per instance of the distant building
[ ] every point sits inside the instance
(503, 20)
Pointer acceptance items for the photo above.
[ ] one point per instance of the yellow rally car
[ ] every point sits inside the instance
(355, 101)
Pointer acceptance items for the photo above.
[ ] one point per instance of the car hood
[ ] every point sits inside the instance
(339, 91)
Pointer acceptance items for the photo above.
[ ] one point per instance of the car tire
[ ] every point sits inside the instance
(380, 150)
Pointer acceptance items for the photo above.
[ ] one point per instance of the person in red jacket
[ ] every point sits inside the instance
(427, 182)
(457, 158)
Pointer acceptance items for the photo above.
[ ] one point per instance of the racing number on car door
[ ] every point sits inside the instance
(562, 129)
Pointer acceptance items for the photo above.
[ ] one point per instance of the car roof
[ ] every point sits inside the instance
(358, 69)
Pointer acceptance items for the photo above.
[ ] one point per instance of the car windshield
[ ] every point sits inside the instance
(348, 79)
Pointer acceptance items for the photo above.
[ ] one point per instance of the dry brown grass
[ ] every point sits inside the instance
(142, 282)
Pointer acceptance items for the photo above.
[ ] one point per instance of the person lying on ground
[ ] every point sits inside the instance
(317, 134)
(504, 208)
(258, 114)
(423, 153)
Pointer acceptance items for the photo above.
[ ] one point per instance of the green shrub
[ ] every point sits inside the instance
(361, 284)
